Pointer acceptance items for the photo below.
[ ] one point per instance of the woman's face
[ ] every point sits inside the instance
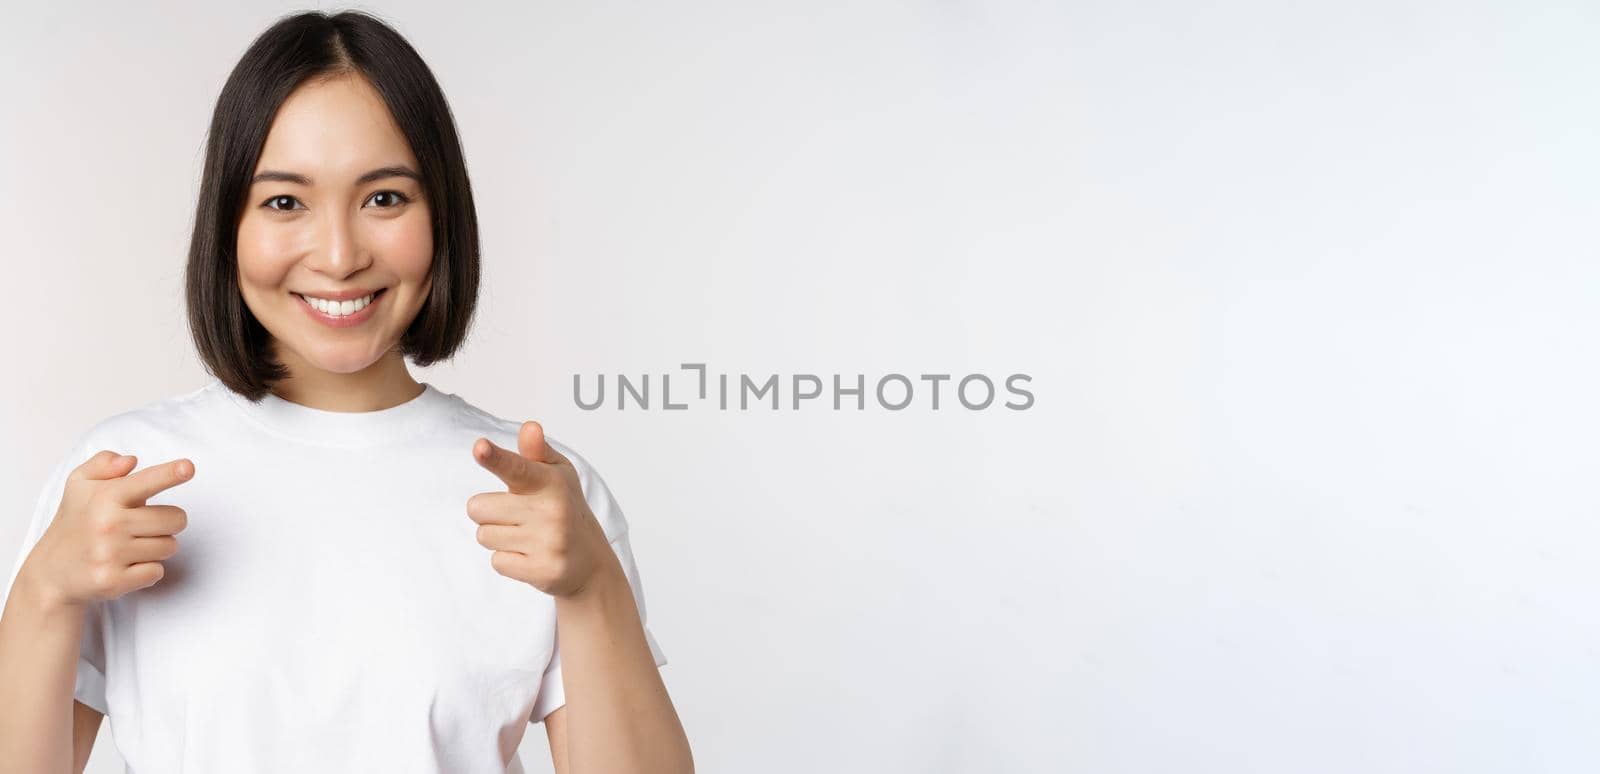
(335, 212)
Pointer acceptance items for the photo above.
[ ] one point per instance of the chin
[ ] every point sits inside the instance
(342, 362)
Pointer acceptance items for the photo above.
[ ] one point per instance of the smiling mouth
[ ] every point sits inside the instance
(345, 308)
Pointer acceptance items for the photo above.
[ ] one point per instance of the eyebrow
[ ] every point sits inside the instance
(276, 176)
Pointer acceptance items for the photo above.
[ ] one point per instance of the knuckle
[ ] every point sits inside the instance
(102, 578)
(101, 552)
(104, 522)
(501, 561)
(557, 560)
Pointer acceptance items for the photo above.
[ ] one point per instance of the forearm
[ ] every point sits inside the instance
(619, 716)
(38, 668)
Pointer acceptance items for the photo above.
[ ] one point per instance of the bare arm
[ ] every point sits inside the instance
(39, 635)
(103, 542)
(555, 729)
(618, 716)
(85, 726)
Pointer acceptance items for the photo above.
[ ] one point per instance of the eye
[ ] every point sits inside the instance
(394, 196)
(282, 197)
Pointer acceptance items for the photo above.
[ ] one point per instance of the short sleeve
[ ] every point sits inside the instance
(552, 694)
(90, 687)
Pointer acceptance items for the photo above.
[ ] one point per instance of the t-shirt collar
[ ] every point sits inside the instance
(343, 428)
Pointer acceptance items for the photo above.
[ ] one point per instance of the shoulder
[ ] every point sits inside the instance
(474, 421)
(126, 431)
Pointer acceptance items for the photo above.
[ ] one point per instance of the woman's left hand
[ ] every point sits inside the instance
(541, 529)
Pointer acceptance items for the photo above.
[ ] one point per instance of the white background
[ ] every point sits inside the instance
(1308, 293)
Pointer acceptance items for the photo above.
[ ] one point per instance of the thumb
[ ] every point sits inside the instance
(106, 464)
(533, 445)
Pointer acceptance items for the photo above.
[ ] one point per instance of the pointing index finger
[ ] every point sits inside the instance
(520, 474)
(134, 488)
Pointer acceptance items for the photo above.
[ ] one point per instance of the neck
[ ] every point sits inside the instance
(383, 384)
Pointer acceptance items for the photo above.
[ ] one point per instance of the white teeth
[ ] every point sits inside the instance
(339, 308)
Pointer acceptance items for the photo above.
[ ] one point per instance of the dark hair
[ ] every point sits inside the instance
(233, 344)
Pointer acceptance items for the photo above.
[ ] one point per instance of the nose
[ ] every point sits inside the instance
(341, 251)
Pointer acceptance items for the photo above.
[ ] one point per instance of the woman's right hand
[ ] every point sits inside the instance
(104, 541)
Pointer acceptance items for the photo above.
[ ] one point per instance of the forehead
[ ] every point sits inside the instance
(334, 130)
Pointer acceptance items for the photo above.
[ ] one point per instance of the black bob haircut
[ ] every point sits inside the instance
(233, 345)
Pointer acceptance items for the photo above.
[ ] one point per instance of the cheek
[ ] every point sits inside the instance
(265, 254)
(406, 243)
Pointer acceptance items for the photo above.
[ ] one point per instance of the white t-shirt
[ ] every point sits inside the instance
(329, 608)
